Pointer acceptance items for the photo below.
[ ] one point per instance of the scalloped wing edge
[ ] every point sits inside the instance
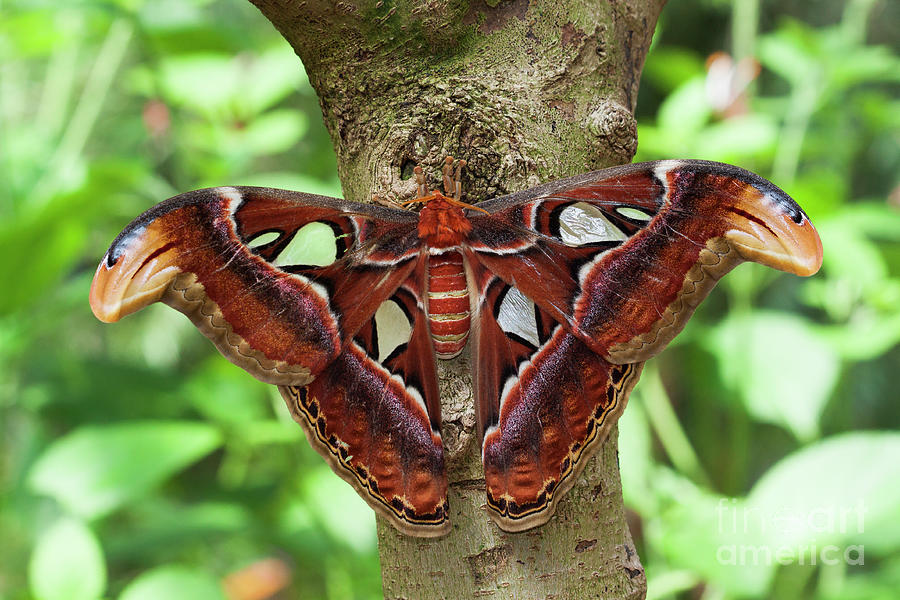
(578, 459)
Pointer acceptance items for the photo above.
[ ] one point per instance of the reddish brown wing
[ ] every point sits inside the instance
(225, 258)
(614, 263)
(544, 402)
(231, 259)
(624, 255)
(374, 414)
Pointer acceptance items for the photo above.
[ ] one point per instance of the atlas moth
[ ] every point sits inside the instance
(561, 292)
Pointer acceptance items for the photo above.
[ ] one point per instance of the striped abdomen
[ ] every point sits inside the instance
(448, 304)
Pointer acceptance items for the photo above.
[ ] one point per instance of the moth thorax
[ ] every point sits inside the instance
(448, 303)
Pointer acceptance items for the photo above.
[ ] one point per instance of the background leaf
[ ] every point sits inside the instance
(175, 583)
(67, 563)
(836, 491)
(94, 470)
(779, 366)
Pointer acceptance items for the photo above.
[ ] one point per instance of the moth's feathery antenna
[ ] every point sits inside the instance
(422, 190)
(447, 171)
(452, 186)
(457, 179)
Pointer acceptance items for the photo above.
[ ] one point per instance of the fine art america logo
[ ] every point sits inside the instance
(789, 535)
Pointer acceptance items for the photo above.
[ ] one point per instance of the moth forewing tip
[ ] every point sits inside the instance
(765, 233)
(136, 269)
(124, 287)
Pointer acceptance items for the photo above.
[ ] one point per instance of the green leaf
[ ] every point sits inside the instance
(783, 371)
(96, 469)
(668, 67)
(867, 337)
(60, 228)
(273, 132)
(223, 392)
(864, 64)
(166, 15)
(275, 74)
(635, 458)
(669, 583)
(839, 491)
(204, 82)
(851, 255)
(785, 54)
(686, 110)
(873, 584)
(158, 523)
(738, 138)
(67, 563)
(173, 583)
(214, 84)
(340, 510)
(879, 220)
(696, 532)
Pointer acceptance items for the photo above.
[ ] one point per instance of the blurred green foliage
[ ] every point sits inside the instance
(135, 463)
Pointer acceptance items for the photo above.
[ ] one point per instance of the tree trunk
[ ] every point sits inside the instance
(525, 91)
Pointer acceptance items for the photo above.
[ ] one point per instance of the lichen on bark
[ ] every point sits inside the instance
(525, 91)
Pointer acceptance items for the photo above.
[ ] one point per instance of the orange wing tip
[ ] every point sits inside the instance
(105, 303)
(766, 231)
(140, 275)
(797, 250)
(113, 298)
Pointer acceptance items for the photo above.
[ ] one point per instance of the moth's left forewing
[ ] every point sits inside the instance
(188, 253)
(261, 272)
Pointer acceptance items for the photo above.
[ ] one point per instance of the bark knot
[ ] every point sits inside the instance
(615, 128)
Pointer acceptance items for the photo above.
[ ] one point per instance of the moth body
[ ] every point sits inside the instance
(443, 227)
(448, 303)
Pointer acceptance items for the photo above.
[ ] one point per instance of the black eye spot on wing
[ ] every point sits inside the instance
(771, 191)
(796, 214)
(785, 202)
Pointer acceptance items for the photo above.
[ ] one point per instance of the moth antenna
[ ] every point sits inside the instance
(457, 178)
(447, 172)
(422, 190)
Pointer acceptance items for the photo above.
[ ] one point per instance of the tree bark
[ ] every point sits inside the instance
(525, 91)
